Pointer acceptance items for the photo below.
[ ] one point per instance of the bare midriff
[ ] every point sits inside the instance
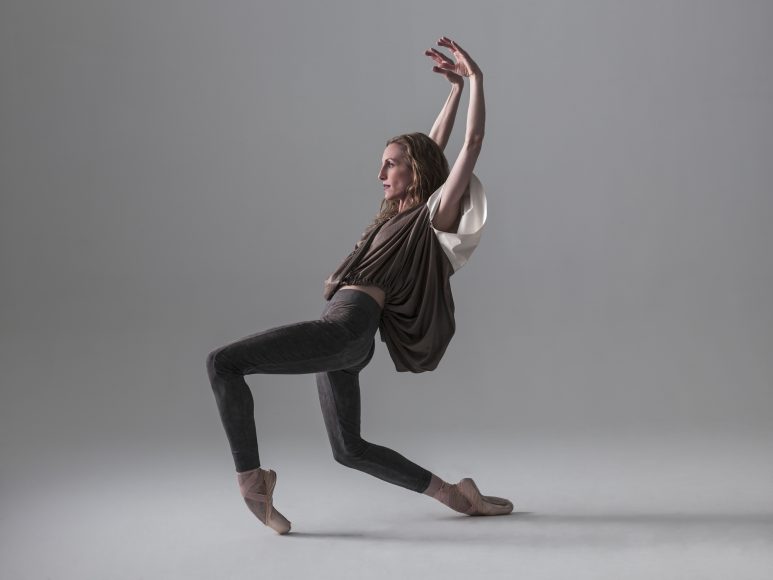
(377, 293)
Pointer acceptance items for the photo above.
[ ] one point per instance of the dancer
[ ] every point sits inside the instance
(396, 281)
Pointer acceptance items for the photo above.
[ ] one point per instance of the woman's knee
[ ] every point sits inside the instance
(214, 361)
(362, 363)
(350, 452)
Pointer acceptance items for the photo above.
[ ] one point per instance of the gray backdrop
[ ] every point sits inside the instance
(178, 174)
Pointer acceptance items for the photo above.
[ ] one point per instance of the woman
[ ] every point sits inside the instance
(395, 280)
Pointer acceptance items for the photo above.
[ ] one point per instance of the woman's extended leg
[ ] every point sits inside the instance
(339, 397)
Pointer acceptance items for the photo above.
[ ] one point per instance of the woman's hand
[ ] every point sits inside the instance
(442, 59)
(463, 67)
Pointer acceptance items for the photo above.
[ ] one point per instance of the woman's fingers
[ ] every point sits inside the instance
(447, 42)
(440, 59)
(460, 49)
(437, 56)
(465, 65)
(435, 53)
(452, 44)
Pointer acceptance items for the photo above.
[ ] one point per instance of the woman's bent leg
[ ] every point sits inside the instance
(330, 343)
(236, 408)
(339, 397)
(340, 338)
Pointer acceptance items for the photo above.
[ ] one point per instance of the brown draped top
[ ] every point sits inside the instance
(412, 262)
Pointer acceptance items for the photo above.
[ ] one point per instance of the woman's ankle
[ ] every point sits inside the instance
(450, 495)
(254, 469)
(434, 485)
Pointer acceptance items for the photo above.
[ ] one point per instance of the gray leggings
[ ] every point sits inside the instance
(336, 347)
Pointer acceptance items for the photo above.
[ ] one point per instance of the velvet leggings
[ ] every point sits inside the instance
(335, 347)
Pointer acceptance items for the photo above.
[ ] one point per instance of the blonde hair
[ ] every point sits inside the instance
(430, 171)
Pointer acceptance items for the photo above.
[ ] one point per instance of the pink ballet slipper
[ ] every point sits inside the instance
(262, 504)
(483, 505)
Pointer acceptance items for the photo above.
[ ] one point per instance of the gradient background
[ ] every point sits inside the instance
(179, 174)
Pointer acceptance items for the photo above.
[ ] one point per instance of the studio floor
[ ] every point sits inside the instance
(670, 506)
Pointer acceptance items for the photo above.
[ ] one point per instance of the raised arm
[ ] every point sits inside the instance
(449, 209)
(444, 123)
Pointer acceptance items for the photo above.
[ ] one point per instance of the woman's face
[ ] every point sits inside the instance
(395, 173)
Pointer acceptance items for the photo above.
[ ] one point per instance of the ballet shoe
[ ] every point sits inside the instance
(483, 505)
(496, 500)
(262, 504)
(451, 496)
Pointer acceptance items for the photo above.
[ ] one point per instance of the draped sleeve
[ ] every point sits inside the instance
(458, 246)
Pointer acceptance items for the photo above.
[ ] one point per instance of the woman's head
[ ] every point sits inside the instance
(412, 166)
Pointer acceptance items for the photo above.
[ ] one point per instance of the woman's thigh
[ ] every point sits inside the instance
(342, 338)
(339, 399)
(301, 347)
